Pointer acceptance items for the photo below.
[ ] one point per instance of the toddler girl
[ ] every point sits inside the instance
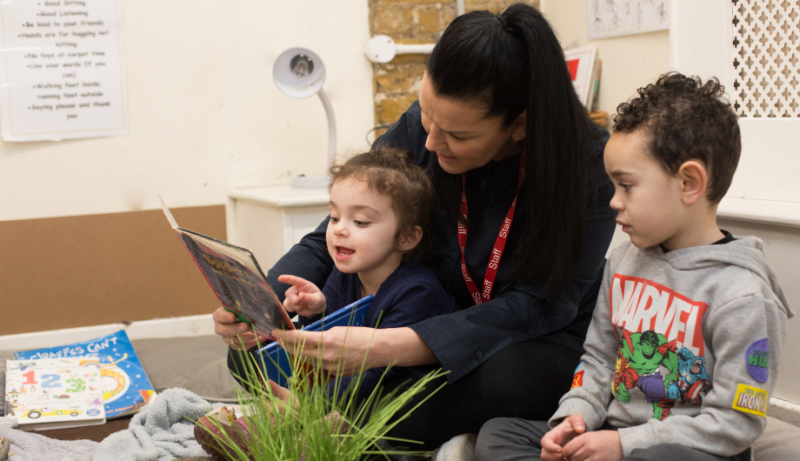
(381, 209)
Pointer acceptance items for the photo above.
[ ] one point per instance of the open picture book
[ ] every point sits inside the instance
(236, 278)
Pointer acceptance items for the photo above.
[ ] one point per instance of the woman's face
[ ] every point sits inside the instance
(460, 134)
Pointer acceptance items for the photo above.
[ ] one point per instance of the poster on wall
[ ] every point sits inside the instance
(63, 71)
(612, 18)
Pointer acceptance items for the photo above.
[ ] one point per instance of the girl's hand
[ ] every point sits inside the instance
(303, 298)
(572, 426)
(225, 326)
(284, 395)
(341, 350)
(595, 446)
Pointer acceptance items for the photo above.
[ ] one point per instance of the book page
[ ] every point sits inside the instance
(62, 70)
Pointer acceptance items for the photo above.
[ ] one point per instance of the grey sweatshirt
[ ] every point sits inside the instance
(683, 347)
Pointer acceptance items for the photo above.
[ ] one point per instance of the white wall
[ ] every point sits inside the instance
(205, 115)
(629, 62)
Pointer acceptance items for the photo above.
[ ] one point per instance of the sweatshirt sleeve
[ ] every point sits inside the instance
(591, 386)
(745, 336)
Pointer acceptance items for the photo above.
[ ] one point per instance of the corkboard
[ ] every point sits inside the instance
(92, 270)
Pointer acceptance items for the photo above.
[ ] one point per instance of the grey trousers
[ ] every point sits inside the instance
(516, 439)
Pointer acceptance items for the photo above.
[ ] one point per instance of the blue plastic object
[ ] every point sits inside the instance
(274, 360)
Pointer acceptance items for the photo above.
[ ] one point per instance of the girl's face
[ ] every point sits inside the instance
(362, 230)
(460, 134)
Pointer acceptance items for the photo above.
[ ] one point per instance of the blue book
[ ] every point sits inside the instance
(274, 360)
(125, 384)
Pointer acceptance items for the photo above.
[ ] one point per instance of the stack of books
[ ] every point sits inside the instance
(77, 384)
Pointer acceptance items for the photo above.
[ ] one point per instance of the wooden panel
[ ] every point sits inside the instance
(91, 270)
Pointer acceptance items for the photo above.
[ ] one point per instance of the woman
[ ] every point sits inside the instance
(496, 96)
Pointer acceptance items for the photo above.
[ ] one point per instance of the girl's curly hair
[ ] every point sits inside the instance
(392, 172)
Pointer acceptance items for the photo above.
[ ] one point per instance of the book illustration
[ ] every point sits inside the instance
(124, 386)
(236, 278)
(51, 393)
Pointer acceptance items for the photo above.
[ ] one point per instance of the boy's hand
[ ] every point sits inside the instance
(561, 435)
(594, 446)
(303, 297)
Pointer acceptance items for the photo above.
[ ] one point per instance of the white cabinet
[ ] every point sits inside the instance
(269, 220)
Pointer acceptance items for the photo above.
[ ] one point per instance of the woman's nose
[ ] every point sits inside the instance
(435, 142)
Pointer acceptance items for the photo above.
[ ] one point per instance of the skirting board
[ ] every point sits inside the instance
(193, 325)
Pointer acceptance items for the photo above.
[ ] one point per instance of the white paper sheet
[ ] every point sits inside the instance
(612, 18)
(62, 74)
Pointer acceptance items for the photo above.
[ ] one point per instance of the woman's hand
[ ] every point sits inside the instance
(340, 350)
(343, 350)
(225, 325)
(303, 297)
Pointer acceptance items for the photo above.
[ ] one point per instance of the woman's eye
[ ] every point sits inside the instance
(456, 137)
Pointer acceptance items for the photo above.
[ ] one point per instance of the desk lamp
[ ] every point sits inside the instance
(300, 73)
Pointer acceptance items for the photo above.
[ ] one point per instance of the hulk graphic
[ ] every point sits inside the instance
(638, 361)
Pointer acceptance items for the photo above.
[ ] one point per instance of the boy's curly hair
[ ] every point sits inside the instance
(687, 120)
(393, 173)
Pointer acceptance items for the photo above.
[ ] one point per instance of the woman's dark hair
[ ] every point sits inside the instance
(687, 119)
(393, 173)
(509, 64)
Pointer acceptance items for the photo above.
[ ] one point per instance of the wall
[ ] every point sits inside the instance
(205, 116)
(629, 62)
(396, 83)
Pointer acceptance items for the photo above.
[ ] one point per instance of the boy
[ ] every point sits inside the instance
(683, 349)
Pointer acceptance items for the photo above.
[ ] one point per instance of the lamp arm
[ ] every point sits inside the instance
(331, 126)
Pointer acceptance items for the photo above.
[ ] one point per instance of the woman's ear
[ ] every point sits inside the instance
(409, 239)
(520, 127)
(694, 180)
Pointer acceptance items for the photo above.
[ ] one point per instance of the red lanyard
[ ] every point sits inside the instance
(497, 252)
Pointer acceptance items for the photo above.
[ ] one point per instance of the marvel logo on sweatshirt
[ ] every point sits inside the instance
(661, 344)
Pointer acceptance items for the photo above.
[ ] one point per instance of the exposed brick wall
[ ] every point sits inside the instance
(396, 84)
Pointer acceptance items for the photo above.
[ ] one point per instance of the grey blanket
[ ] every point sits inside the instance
(163, 430)
(33, 446)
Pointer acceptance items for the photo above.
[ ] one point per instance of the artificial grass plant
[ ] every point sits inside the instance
(311, 424)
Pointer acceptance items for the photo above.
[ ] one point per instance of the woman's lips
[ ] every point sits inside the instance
(445, 158)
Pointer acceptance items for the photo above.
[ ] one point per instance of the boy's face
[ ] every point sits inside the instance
(647, 199)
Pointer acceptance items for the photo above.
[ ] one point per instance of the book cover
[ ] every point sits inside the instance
(275, 362)
(126, 387)
(54, 393)
(236, 278)
(581, 66)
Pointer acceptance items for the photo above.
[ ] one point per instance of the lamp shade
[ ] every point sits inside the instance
(299, 73)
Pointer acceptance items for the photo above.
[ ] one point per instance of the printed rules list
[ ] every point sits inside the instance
(62, 71)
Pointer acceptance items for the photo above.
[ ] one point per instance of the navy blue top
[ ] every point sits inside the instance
(410, 295)
(466, 338)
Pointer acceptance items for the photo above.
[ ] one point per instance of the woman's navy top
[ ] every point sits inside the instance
(464, 339)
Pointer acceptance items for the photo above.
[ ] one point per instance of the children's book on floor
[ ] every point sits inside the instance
(236, 278)
(54, 393)
(125, 386)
